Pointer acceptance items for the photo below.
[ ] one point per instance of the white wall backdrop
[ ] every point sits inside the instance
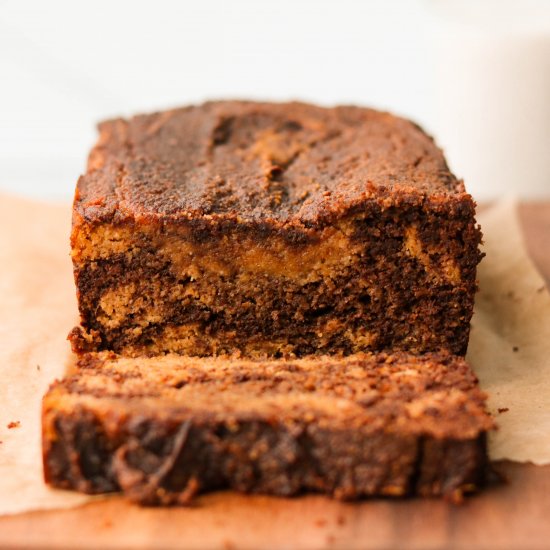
(64, 65)
(67, 64)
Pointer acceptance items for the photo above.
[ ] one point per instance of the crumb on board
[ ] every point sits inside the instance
(511, 295)
(320, 522)
(456, 497)
(502, 410)
(14, 424)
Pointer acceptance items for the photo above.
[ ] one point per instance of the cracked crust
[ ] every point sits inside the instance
(290, 164)
(163, 429)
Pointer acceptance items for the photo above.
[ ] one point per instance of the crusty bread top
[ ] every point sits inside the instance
(283, 163)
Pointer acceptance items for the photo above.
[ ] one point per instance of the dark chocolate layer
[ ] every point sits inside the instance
(397, 293)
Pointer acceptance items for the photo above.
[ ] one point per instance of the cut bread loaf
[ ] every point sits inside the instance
(271, 230)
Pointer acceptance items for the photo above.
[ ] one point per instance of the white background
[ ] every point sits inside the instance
(64, 65)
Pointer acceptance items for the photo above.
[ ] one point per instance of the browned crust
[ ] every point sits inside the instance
(283, 166)
(163, 432)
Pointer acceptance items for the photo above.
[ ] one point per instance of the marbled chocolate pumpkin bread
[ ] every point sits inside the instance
(162, 429)
(271, 230)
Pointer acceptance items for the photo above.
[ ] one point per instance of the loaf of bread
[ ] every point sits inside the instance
(271, 230)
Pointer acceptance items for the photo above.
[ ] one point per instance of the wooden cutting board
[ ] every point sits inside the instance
(515, 514)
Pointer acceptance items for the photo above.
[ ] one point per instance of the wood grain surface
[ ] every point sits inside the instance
(510, 515)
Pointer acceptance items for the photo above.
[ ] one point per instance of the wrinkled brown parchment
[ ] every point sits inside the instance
(509, 348)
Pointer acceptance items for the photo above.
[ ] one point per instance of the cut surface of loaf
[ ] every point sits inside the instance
(163, 429)
(271, 230)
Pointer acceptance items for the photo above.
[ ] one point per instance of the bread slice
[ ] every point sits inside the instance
(162, 429)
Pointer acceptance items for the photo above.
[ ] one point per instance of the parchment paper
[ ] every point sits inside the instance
(38, 308)
(510, 340)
